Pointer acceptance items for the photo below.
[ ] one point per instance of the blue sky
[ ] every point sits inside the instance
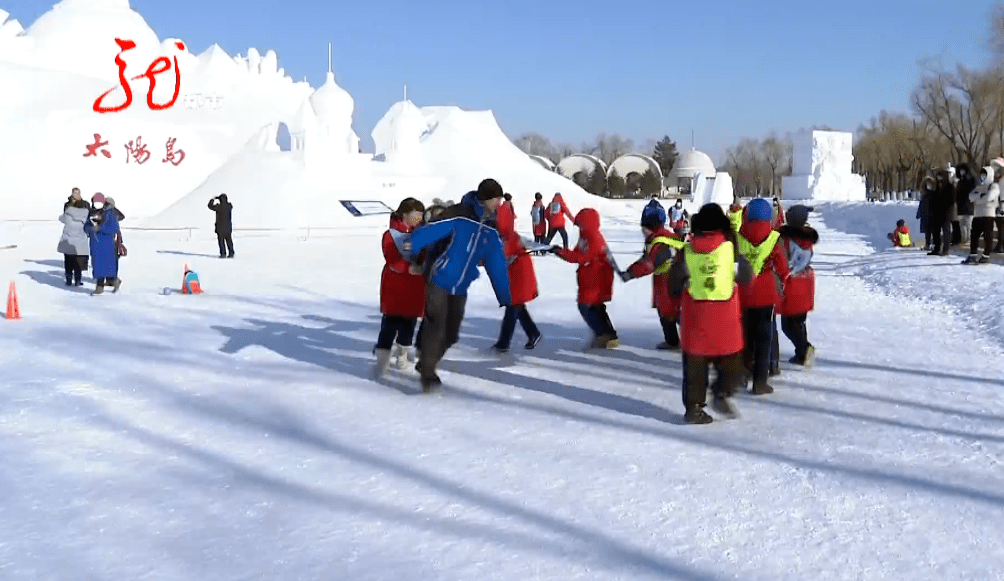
(570, 70)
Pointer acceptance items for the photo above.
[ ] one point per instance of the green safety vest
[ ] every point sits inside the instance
(672, 243)
(904, 239)
(712, 275)
(736, 218)
(757, 255)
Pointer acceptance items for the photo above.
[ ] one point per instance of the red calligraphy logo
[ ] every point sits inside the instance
(151, 72)
(137, 149)
(92, 150)
(172, 154)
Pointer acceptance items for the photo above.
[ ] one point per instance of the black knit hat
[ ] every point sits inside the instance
(710, 218)
(508, 197)
(489, 189)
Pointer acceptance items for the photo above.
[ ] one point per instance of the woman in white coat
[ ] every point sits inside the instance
(986, 201)
(74, 243)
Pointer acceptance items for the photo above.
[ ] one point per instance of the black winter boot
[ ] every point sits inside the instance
(696, 415)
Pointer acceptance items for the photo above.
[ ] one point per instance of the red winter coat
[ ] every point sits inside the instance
(401, 294)
(778, 217)
(901, 230)
(540, 229)
(556, 211)
(800, 289)
(710, 328)
(595, 274)
(666, 304)
(766, 288)
(522, 279)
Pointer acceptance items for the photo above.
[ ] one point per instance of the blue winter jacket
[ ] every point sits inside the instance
(471, 239)
(654, 207)
(104, 261)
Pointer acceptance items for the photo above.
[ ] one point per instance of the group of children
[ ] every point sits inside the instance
(717, 290)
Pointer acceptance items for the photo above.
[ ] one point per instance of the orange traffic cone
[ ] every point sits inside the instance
(13, 311)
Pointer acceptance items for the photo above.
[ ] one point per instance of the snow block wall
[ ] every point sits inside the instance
(716, 190)
(821, 168)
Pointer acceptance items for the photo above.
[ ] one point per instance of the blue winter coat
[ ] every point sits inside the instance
(103, 258)
(471, 240)
(654, 207)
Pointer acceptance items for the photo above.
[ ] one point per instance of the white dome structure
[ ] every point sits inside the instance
(334, 107)
(634, 163)
(79, 36)
(400, 130)
(578, 163)
(687, 167)
(543, 161)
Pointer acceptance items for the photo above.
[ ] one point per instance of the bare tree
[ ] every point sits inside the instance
(962, 107)
(536, 144)
(776, 153)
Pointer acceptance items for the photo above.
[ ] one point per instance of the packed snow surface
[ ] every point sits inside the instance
(238, 435)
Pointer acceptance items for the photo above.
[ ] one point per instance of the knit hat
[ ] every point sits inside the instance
(98, 198)
(652, 220)
(489, 189)
(798, 215)
(537, 196)
(759, 209)
(710, 218)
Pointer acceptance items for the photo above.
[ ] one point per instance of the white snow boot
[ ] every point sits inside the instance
(382, 363)
(400, 357)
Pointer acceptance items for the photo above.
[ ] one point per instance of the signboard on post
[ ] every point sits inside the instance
(366, 207)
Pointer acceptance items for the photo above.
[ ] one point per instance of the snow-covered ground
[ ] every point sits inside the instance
(237, 435)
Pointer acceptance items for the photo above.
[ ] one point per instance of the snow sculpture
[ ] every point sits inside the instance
(334, 107)
(398, 136)
(821, 168)
(716, 190)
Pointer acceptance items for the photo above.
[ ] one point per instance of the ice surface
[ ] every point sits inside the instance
(821, 168)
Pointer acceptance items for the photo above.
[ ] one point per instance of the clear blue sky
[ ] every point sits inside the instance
(570, 70)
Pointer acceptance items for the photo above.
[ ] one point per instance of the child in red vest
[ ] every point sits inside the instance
(901, 235)
(595, 277)
(761, 298)
(402, 288)
(800, 289)
(659, 246)
(522, 283)
(706, 273)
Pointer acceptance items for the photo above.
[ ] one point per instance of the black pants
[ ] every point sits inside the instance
(982, 227)
(669, 332)
(226, 243)
(775, 346)
(598, 320)
(758, 325)
(513, 314)
(74, 265)
(695, 385)
(956, 232)
(441, 327)
(401, 329)
(927, 239)
(795, 330)
(999, 221)
(564, 236)
(942, 230)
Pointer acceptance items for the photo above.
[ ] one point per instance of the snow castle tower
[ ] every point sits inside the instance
(398, 136)
(334, 108)
(821, 168)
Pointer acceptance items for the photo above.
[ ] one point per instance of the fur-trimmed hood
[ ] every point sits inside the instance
(799, 233)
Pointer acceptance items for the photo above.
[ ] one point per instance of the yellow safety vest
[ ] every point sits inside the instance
(712, 275)
(672, 243)
(757, 255)
(736, 218)
(904, 239)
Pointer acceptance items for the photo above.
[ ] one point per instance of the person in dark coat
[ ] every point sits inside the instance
(942, 203)
(224, 224)
(103, 228)
(924, 210)
(963, 187)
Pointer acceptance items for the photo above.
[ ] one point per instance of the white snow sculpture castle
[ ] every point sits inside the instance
(821, 168)
(398, 136)
(322, 126)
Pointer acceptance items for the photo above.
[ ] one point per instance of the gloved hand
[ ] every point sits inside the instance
(554, 249)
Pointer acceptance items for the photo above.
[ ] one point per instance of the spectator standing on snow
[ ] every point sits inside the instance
(522, 283)
(103, 227)
(402, 289)
(657, 260)
(924, 210)
(963, 187)
(463, 237)
(710, 313)
(556, 212)
(986, 201)
(539, 221)
(998, 166)
(74, 197)
(800, 288)
(224, 224)
(74, 244)
(942, 203)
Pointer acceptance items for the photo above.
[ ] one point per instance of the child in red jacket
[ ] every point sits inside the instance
(555, 214)
(800, 290)
(659, 246)
(402, 289)
(595, 277)
(522, 283)
(761, 298)
(539, 221)
(901, 235)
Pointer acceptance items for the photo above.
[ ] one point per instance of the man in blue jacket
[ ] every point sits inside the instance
(458, 240)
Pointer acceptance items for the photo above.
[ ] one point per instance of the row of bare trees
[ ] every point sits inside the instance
(606, 147)
(757, 165)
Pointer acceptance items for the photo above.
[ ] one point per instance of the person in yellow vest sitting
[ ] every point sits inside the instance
(736, 214)
(705, 274)
(660, 244)
(901, 236)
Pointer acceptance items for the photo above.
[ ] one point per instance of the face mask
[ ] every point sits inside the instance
(983, 179)
(98, 205)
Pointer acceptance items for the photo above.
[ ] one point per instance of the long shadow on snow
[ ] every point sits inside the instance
(54, 279)
(689, 435)
(180, 253)
(902, 402)
(919, 372)
(593, 545)
(313, 345)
